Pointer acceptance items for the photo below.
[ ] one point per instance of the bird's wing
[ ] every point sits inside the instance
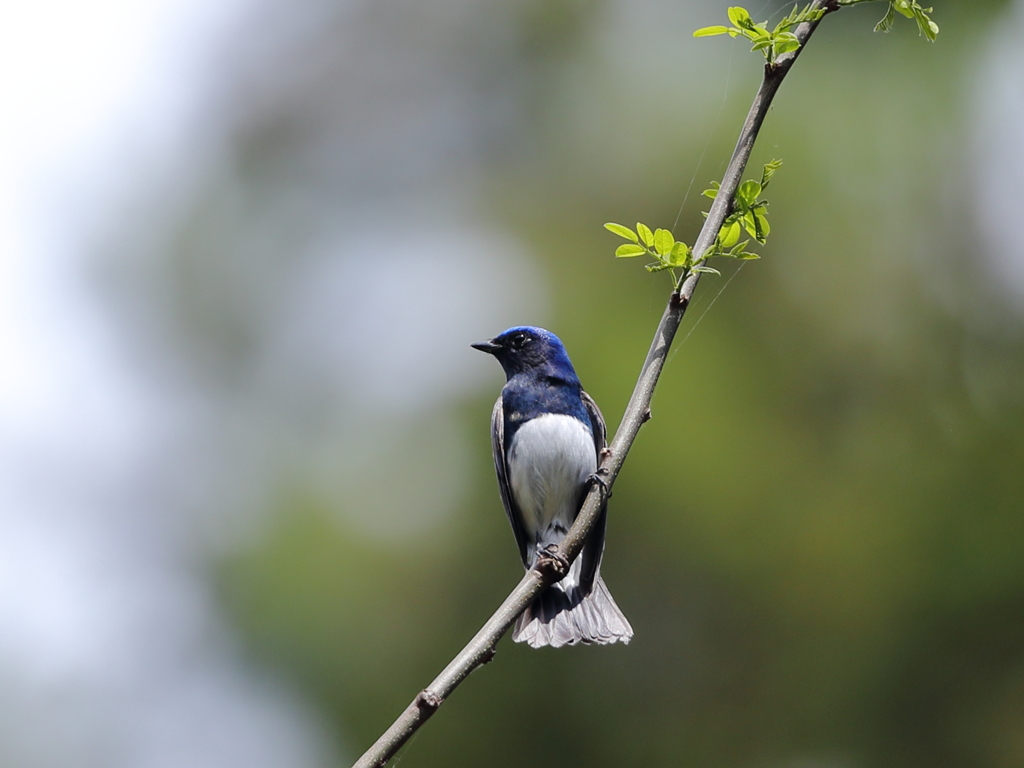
(594, 547)
(515, 517)
(596, 423)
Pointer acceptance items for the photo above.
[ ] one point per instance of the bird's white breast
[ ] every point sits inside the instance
(550, 459)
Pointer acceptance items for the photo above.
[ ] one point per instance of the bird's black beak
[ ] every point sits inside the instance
(486, 346)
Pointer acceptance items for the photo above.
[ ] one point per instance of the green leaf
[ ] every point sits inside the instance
(786, 42)
(750, 224)
(887, 21)
(748, 256)
(906, 7)
(729, 235)
(747, 194)
(788, 21)
(709, 270)
(769, 171)
(710, 31)
(926, 26)
(645, 234)
(622, 231)
(912, 10)
(739, 16)
(738, 249)
(797, 16)
(762, 226)
(680, 255)
(628, 251)
(663, 242)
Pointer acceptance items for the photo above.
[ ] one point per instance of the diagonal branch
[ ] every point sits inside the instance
(482, 647)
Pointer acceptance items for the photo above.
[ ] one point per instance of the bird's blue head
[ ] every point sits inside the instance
(525, 349)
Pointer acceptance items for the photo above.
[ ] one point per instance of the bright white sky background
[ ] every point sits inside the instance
(111, 653)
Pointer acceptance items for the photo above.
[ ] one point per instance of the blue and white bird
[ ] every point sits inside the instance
(547, 435)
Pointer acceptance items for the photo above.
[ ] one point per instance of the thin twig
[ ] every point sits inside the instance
(482, 647)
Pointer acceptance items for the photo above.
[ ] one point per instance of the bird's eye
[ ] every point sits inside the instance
(519, 340)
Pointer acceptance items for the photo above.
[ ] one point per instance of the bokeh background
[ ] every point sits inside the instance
(247, 508)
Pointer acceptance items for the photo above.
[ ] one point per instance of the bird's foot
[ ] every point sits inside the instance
(597, 478)
(551, 561)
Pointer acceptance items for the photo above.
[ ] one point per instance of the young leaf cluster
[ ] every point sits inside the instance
(749, 213)
(668, 253)
(909, 8)
(771, 43)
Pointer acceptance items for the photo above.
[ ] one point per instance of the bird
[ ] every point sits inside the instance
(547, 435)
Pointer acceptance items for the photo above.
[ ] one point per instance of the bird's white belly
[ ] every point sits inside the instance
(550, 459)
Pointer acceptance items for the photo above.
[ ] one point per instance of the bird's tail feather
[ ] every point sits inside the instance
(558, 618)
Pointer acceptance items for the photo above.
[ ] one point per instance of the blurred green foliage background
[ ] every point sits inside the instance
(818, 538)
